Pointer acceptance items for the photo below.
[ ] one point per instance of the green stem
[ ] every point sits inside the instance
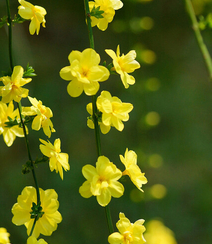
(202, 46)
(29, 154)
(95, 116)
(35, 220)
(96, 126)
(20, 108)
(109, 219)
(10, 34)
(88, 19)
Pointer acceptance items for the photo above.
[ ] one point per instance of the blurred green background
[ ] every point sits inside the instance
(170, 127)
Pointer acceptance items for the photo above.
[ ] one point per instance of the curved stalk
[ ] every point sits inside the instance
(20, 108)
(95, 116)
(200, 41)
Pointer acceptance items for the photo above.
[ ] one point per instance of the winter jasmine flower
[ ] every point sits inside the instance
(102, 181)
(84, 72)
(34, 13)
(57, 160)
(124, 64)
(113, 110)
(12, 89)
(132, 170)
(128, 233)
(47, 223)
(42, 118)
(9, 133)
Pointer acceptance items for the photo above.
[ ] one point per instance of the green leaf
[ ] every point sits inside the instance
(43, 159)
(11, 122)
(29, 71)
(18, 19)
(26, 168)
(36, 211)
(3, 21)
(96, 12)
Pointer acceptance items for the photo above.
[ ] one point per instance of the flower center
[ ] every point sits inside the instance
(103, 182)
(128, 237)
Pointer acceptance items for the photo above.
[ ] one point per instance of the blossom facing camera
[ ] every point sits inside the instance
(84, 73)
(128, 233)
(34, 13)
(9, 133)
(102, 181)
(113, 110)
(33, 240)
(49, 217)
(12, 89)
(42, 116)
(109, 7)
(124, 65)
(132, 169)
(4, 236)
(57, 160)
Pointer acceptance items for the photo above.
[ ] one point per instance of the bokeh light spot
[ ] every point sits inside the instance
(148, 56)
(155, 161)
(152, 84)
(146, 23)
(152, 118)
(158, 191)
(136, 195)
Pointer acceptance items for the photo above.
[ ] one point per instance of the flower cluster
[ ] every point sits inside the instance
(84, 74)
(35, 208)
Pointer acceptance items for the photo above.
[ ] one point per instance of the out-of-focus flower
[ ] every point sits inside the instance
(57, 160)
(132, 170)
(33, 240)
(104, 128)
(34, 13)
(113, 110)
(49, 217)
(124, 64)
(42, 118)
(102, 181)
(128, 233)
(109, 7)
(9, 133)
(4, 236)
(158, 233)
(12, 89)
(84, 72)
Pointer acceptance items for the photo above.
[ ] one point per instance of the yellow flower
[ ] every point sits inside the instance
(157, 233)
(113, 110)
(33, 240)
(34, 13)
(102, 181)
(109, 7)
(9, 133)
(84, 72)
(42, 118)
(12, 89)
(4, 236)
(57, 160)
(132, 169)
(124, 64)
(104, 128)
(128, 233)
(22, 211)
